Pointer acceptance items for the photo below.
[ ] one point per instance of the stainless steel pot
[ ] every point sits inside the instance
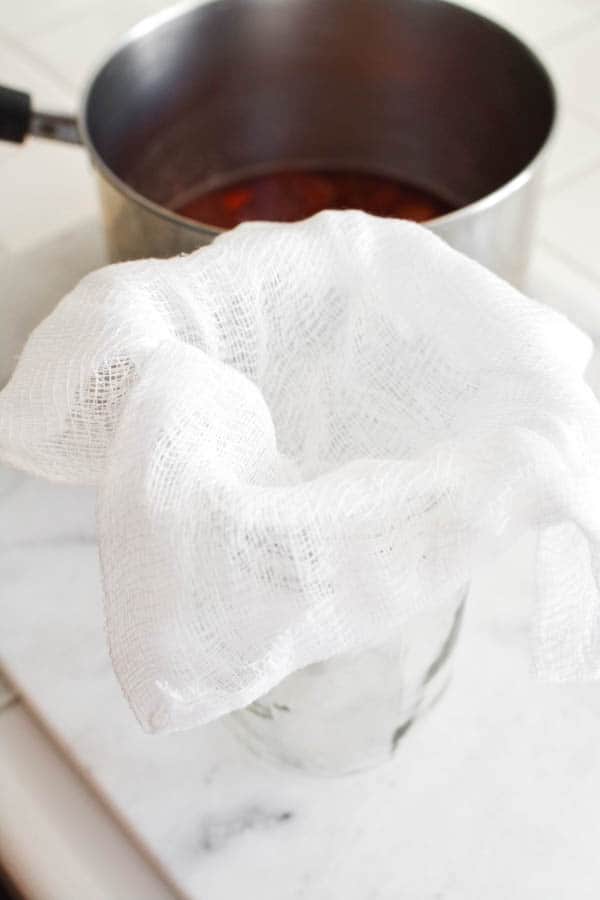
(423, 90)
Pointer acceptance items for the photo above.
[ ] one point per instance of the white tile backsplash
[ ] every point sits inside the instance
(46, 188)
(570, 221)
(6, 151)
(575, 64)
(74, 48)
(30, 17)
(576, 147)
(565, 288)
(538, 21)
(22, 70)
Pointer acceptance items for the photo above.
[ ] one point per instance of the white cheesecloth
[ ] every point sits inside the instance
(301, 436)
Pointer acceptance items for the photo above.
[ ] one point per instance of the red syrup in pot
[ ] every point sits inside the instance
(287, 196)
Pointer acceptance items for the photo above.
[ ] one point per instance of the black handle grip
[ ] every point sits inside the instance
(15, 115)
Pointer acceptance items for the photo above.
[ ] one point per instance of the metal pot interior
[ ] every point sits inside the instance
(422, 90)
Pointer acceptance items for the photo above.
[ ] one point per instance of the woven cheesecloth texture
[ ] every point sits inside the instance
(302, 435)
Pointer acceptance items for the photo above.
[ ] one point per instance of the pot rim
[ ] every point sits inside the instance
(155, 20)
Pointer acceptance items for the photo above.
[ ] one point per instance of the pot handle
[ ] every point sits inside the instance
(17, 120)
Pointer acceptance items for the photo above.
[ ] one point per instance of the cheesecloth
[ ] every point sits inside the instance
(301, 436)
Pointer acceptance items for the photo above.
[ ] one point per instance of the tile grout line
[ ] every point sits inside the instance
(564, 257)
(551, 189)
(71, 15)
(562, 36)
(75, 13)
(41, 63)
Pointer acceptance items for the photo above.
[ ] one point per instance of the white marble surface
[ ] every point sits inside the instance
(494, 794)
(491, 796)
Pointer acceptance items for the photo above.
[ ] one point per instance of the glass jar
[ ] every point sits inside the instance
(350, 712)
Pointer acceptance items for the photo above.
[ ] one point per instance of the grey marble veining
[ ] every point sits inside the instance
(491, 795)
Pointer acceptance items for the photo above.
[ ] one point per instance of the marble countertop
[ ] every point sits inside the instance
(493, 794)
